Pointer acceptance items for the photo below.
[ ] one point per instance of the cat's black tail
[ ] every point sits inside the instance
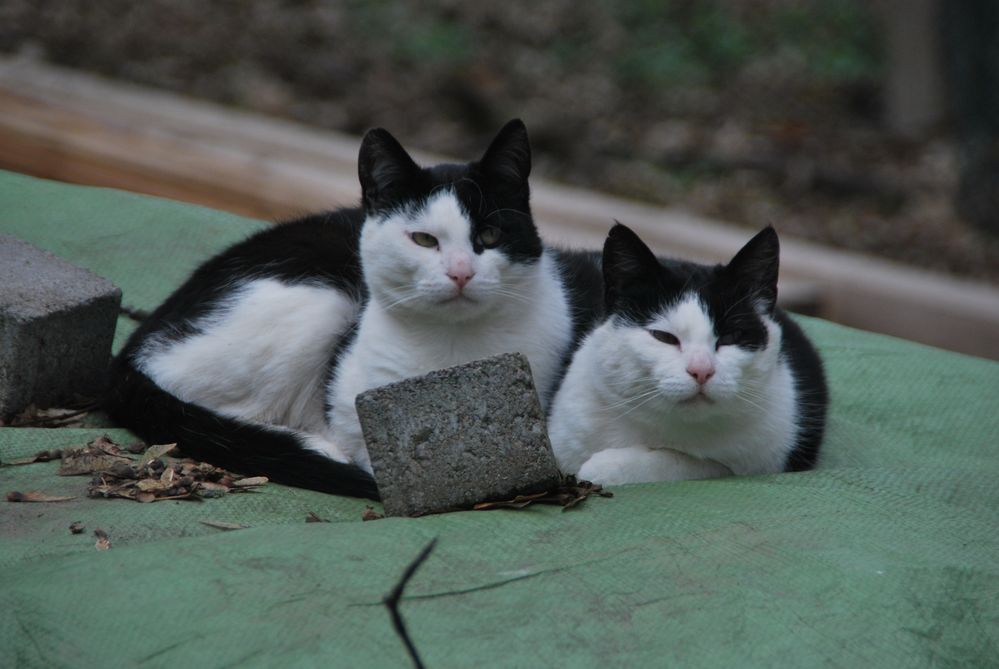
(134, 401)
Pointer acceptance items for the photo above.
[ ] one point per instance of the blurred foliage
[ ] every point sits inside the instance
(664, 43)
(424, 38)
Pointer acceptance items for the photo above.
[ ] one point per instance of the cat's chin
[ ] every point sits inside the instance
(461, 307)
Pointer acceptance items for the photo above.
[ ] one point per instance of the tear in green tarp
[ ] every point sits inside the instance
(887, 555)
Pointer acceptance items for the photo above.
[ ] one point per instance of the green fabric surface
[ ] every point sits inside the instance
(886, 555)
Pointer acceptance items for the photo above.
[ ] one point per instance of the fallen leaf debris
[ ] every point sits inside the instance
(154, 476)
(76, 527)
(32, 416)
(157, 476)
(570, 493)
(103, 540)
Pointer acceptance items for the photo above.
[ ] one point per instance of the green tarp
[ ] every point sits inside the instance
(887, 555)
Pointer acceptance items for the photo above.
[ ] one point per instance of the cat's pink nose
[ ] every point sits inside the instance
(461, 277)
(701, 370)
(459, 269)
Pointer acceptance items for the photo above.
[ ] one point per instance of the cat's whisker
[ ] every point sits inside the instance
(482, 199)
(406, 297)
(752, 403)
(513, 295)
(652, 395)
(506, 210)
(637, 381)
(631, 399)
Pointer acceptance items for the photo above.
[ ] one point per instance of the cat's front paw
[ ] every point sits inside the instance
(613, 466)
(637, 464)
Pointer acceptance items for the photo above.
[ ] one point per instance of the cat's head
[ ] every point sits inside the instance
(449, 241)
(699, 339)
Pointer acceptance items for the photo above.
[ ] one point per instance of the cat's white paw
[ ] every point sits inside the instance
(637, 464)
(614, 466)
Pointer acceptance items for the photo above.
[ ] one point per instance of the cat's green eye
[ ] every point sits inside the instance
(665, 337)
(489, 236)
(423, 239)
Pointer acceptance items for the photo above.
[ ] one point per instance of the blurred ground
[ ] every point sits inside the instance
(764, 111)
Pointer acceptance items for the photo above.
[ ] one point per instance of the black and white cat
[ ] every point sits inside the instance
(694, 373)
(254, 363)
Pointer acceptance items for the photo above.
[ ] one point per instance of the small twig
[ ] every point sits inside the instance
(392, 602)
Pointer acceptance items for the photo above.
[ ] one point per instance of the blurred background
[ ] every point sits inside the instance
(754, 112)
(866, 126)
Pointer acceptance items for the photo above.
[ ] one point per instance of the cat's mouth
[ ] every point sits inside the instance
(460, 298)
(697, 399)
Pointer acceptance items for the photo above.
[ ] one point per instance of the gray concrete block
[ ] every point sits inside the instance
(57, 323)
(458, 436)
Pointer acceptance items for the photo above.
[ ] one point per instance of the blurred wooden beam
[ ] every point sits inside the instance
(66, 125)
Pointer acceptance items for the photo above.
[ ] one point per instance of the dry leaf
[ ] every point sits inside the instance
(103, 540)
(35, 496)
(145, 497)
(209, 489)
(77, 463)
(155, 452)
(31, 459)
(250, 482)
(371, 514)
(40, 456)
(313, 518)
(76, 527)
(224, 525)
(150, 485)
(35, 417)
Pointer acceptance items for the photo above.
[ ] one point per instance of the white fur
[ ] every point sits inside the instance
(628, 411)
(260, 356)
(415, 322)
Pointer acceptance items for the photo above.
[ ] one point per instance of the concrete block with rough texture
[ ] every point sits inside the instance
(458, 436)
(57, 323)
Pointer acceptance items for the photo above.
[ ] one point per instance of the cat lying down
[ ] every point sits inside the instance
(694, 373)
(253, 364)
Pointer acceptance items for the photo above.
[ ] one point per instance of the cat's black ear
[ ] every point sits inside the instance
(755, 267)
(629, 266)
(385, 169)
(507, 161)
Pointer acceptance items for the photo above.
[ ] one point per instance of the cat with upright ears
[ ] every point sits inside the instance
(694, 373)
(253, 364)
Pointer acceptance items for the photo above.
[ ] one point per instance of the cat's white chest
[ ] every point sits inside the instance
(387, 349)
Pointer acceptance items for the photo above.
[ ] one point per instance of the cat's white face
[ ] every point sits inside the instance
(423, 263)
(677, 363)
